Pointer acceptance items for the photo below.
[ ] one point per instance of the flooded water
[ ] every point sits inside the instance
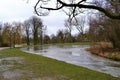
(78, 56)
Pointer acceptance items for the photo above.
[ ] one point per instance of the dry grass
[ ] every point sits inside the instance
(104, 49)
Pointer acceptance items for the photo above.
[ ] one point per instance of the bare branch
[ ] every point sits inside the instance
(52, 8)
(81, 1)
(35, 7)
(110, 14)
(106, 12)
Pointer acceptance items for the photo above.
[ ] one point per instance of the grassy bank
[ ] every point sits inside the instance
(75, 43)
(63, 44)
(25, 66)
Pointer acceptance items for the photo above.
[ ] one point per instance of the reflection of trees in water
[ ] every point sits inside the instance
(28, 48)
(38, 48)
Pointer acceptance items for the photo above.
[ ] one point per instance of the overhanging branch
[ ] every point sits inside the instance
(52, 8)
(35, 7)
(80, 5)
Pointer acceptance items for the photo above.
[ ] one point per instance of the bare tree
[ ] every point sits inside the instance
(67, 36)
(36, 24)
(80, 23)
(68, 25)
(27, 27)
(71, 13)
(60, 36)
(46, 39)
(16, 33)
(13, 38)
(103, 28)
(53, 39)
(78, 4)
(0, 34)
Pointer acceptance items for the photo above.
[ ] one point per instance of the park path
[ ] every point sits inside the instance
(1, 48)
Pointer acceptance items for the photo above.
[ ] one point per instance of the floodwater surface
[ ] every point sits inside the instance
(77, 55)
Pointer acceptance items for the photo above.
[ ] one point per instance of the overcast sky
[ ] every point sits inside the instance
(20, 10)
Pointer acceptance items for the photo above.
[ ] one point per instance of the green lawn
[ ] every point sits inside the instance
(63, 44)
(26, 66)
(75, 43)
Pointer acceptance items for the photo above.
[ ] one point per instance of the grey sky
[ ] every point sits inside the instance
(19, 10)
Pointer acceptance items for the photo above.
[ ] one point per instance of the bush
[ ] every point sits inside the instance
(5, 45)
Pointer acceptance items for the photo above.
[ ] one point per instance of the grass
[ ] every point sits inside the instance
(65, 44)
(36, 67)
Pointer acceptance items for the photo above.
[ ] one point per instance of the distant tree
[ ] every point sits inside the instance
(6, 35)
(53, 39)
(27, 29)
(68, 38)
(16, 33)
(60, 36)
(96, 30)
(46, 39)
(68, 24)
(80, 23)
(1, 34)
(13, 36)
(36, 24)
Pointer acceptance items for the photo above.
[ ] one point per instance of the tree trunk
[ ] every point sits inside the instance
(35, 39)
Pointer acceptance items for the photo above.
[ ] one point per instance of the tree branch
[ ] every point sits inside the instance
(52, 8)
(81, 1)
(107, 13)
(79, 5)
(35, 7)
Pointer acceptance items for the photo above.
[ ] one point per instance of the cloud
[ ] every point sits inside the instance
(14, 10)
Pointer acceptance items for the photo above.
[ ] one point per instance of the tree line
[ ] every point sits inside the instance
(10, 34)
(32, 31)
(18, 33)
(101, 28)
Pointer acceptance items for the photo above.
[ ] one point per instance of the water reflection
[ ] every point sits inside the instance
(78, 56)
(28, 48)
(36, 48)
